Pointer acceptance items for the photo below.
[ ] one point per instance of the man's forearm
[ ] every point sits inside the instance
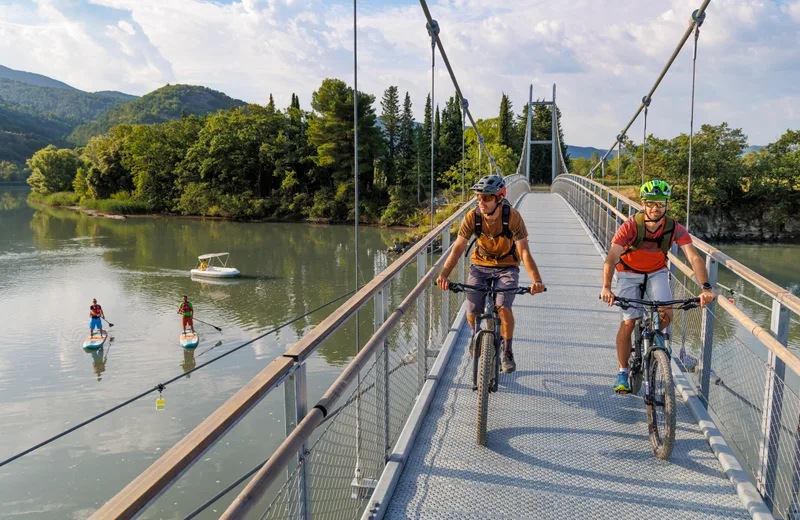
(608, 275)
(531, 267)
(699, 268)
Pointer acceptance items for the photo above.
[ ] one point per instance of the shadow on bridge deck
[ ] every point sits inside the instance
(561, 444)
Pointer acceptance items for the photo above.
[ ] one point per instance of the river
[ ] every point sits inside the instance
(54, 261)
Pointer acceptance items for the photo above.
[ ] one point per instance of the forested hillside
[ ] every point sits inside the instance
(162, 105)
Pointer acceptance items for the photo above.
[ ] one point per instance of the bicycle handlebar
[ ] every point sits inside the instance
(461, 287)
(626, 303)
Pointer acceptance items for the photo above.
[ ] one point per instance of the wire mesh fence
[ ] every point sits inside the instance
(751, 401)
(345, 460)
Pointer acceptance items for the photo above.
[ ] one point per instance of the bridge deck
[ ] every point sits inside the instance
(561, 444)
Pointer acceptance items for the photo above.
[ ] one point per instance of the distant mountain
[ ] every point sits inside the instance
(32, 79)
(75, 106)
(586, 151)
(161, 105)
(753, 148)
(23, 132)
(116, 94)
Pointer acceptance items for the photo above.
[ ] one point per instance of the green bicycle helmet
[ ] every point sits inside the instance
(655, 189)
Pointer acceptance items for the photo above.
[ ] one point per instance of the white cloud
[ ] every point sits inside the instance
(604, 56)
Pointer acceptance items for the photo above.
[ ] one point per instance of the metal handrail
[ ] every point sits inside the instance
(281, 458)
(782, 295)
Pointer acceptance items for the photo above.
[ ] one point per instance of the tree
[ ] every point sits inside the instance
(506, 121)
(9, 172)
(271, 103)
(52, 170)
(390, 117)
(104, 156)
(541, 155)
(331, 133)
(450, 137)
(406, 152)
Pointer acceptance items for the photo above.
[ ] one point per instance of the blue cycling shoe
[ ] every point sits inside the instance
(621, 385)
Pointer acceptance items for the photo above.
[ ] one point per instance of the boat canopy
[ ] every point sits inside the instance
(211, 255)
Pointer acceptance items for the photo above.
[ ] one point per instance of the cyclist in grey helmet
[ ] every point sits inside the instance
(502, 244)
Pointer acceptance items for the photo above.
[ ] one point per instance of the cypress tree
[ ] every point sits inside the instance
(390, 117)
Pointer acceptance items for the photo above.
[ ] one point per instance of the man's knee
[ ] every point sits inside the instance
(505, 313)
(627, 325)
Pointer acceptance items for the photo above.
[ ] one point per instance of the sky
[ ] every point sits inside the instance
(603, 55)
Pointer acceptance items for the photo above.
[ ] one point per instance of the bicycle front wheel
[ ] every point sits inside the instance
(485, 369)
(661, 407)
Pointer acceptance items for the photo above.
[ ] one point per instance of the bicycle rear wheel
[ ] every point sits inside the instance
(485, 369)
(661, 407)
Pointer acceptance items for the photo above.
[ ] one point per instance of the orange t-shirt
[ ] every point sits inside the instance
(648, 258)
(498, 245)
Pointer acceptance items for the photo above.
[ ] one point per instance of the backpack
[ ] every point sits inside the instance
(505, 216)
(641, 237)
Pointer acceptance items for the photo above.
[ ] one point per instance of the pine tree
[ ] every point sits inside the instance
(424, 149)
(405, 146)
(390, 117)
(450, 138)
(271, 104)
(506, 122)
(437, 135)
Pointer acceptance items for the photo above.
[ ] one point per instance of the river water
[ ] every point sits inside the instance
(54, 261)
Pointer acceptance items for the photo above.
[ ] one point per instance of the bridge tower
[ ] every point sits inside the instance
(553, 141)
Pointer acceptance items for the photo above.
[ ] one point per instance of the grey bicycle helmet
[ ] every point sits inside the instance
(490, 185)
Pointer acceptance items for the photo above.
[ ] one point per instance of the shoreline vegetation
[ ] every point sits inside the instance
(262, 163)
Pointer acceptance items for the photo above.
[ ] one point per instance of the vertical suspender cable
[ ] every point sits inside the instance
(698, 20)
(463, 149)
(433, 30)
(619, 158)
(355, 173)
(646, 103)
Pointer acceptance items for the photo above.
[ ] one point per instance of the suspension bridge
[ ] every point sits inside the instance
(393, 437)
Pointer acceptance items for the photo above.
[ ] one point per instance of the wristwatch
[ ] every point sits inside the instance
(707, 286)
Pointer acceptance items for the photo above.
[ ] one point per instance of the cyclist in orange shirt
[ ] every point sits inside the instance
(638, 254)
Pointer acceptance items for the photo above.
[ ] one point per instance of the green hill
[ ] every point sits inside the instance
(74, 106)
(161, 105)
(32, 79)
(116, 94)
(23, 132)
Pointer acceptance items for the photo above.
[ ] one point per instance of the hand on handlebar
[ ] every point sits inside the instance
(537, 288)
(607, 296)
(707, 296)
(443, 282)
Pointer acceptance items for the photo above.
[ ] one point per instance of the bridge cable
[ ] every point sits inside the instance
(161, 386)
(646, 103)
(446, 60)
(698, 19)
(699, 14)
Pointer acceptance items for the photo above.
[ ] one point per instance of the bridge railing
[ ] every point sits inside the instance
(733, 352)
(335, 450)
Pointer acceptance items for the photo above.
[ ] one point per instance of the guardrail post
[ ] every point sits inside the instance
(773, 406)
(296, 407)
(673, 269)
(445, 317)
(381, 306)
(707, 332)
(607, 241)
(422, 323)
(619, 208)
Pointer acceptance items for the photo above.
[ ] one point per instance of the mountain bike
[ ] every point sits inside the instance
(651, 356)
(485, 349)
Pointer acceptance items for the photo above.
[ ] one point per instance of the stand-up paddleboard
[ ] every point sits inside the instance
(96, 341)
(189, 339)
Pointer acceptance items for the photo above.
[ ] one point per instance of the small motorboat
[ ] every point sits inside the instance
(214, 265)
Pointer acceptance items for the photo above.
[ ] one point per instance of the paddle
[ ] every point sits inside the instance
(109, 323)
(210, 325)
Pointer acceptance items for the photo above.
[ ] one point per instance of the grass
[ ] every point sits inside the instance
(61, 198)
(125, 207)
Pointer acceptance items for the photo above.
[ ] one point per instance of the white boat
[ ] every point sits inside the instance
(214, 265)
